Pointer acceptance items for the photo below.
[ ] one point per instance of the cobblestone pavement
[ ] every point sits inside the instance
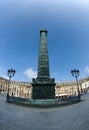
(74, 117)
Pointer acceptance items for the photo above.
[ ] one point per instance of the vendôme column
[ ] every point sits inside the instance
(43, 87)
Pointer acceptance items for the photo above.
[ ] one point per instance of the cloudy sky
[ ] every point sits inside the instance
(67, 22)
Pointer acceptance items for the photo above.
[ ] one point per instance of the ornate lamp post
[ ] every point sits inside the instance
(10, 73)
(75, 73)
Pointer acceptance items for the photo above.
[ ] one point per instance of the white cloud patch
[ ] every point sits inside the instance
(3, 73)
(5, 77)
(87, 69)
(30, 73)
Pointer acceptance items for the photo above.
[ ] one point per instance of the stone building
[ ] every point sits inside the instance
(16, 88)
(66, 89)
(24, 89)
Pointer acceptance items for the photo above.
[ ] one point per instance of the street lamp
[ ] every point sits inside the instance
(10, 73)
(75, 73)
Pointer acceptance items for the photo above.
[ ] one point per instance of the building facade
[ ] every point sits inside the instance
(24, 89)
(16, 88)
